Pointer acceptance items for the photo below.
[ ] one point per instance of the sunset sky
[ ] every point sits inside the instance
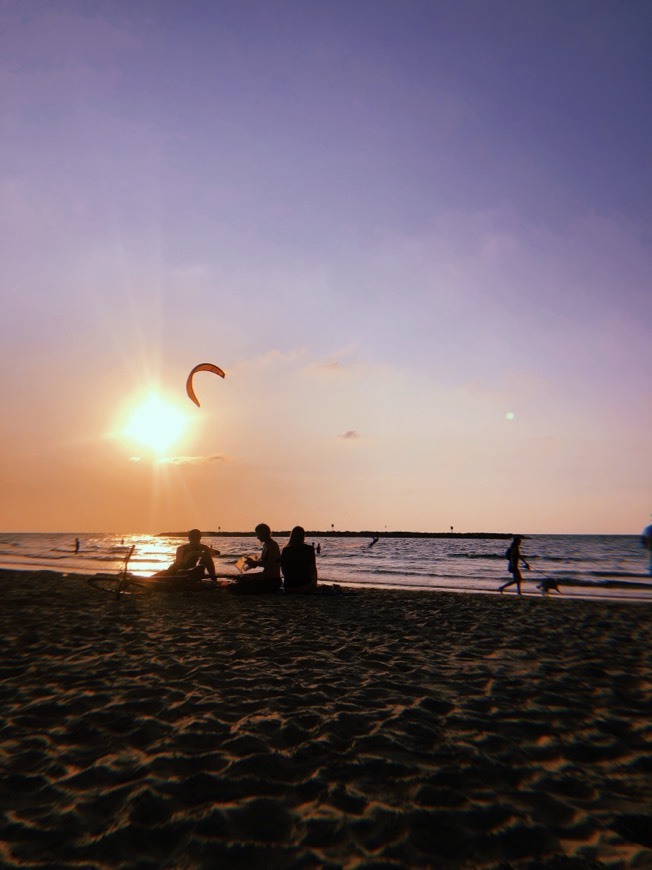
(415, 235)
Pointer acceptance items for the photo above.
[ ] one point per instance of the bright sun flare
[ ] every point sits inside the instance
(156, 424)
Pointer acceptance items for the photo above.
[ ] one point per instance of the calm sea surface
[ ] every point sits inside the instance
(586, 566)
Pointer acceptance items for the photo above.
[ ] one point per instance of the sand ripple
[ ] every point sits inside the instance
(382, 729)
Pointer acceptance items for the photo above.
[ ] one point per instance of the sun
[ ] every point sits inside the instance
(156, 424)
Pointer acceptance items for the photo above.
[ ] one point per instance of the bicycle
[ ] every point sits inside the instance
(123, 584)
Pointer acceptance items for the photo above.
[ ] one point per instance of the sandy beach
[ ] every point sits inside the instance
(371, 729)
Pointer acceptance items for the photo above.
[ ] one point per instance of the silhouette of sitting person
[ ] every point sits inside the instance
(269, 578)
(192, 559)
(298, 564)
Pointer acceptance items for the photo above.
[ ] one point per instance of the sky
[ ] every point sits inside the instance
(417, 237)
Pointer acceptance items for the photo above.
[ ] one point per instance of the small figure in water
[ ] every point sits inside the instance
(514, 557)
(374, 541)
(77, 545)
(192, 559)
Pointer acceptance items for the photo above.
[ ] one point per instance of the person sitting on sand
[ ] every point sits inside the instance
(192, 559)
(513, 559)
(298, 564)
(269, 579)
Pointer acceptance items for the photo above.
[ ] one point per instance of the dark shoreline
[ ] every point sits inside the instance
(24, 573)
(333, 534)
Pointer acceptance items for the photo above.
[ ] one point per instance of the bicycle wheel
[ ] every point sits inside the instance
(118, 586)
(131, 586)
(105, 584)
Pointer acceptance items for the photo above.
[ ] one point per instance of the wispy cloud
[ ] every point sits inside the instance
(349, 363)
(331, 368)
(182, 460)
(191, 460)
(337, 369)
(273, 357)
(351, 435)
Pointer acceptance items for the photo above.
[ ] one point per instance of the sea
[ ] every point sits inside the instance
(606, 567)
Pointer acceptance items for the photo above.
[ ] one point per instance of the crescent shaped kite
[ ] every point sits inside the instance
(202, 367)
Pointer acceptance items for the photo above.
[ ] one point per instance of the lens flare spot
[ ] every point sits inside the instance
(156, 424)
(510, 415)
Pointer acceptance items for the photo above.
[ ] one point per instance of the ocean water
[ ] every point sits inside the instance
(585, 566)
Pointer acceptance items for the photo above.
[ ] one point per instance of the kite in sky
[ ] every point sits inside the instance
(202, 367)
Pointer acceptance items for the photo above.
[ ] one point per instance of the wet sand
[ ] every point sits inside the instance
(375, 729)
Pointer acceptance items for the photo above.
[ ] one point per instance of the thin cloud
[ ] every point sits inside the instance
(190, 460)
(331, 368)
(351, 435)
(271, 358)
(348, 368)
(335, 369)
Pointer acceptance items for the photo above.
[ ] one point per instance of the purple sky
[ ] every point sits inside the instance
(393, 224)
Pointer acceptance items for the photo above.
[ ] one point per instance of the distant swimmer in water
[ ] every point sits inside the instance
(374, 541)
(514, 559)
(192, 559)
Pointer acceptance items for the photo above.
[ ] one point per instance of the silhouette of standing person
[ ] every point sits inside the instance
(514, 558)
(77, 545)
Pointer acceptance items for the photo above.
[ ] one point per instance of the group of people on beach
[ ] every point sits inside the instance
(293, 570)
